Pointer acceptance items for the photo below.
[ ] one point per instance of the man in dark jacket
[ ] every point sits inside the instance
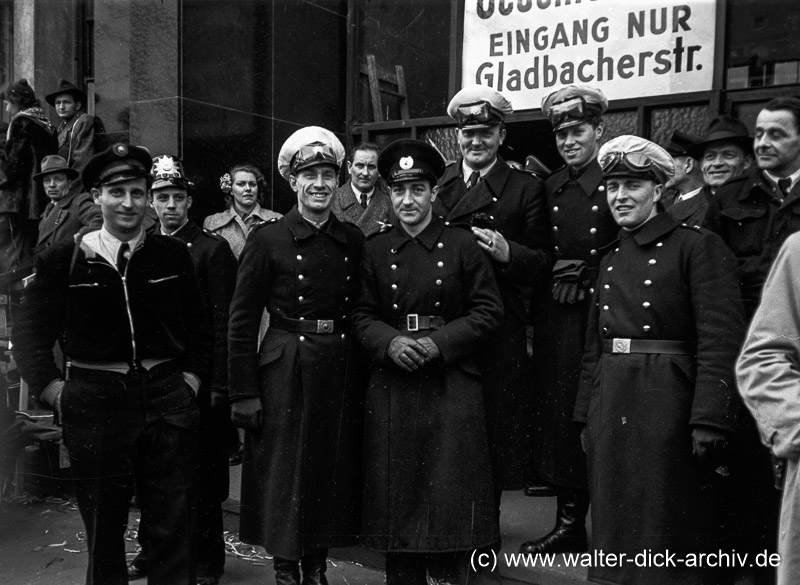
(692, 195)
(297, 396)
(429, 303)
(138, 341)
(657, 391)
(216, 270)
(582, 226)
(507, 212)
(68, 211)
(364, 200)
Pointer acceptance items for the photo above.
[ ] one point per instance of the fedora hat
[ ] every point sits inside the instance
(56, 164)
(66, 87)
(723, 129)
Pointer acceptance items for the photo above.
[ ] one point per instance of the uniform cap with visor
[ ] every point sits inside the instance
(308, 147)
(632, 156)
(117, 164)
(410, 160)
(168, 172)
(572, 105)
(478, 106)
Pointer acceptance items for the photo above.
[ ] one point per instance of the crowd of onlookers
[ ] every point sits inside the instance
(402, 348)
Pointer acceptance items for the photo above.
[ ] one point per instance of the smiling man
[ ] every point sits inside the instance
(137, 336)
(507, 212)
(581, 227)
(657, 393)
(363, 200)
(298, 397)
(725, 152)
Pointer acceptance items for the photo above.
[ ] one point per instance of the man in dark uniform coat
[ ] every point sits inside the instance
(297, 397)
(429, 302)
(364, 199)
(216, 271)
(137, 336)
(67, 211)
(507, 211)
(582, 226)
(755, 214)
(657, 391)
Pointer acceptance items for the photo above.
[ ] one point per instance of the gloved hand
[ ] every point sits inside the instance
(706, 443)
(406, 353)
(568, 292)
(247, 413)
(431, 347)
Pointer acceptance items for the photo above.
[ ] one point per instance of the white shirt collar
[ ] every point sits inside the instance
(467, 170)
(689, 195)
(357, 193)
(107, 245)
(795, 177)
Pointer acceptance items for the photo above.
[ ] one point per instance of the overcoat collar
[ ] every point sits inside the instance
(488, 190)
(589, 179)
(301, 229)
(399, 237)
(657, 227)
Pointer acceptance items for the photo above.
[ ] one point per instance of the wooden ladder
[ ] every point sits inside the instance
(396, 89)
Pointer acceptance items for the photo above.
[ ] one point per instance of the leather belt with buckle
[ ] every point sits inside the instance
(323, 326)
(665, 346)
(416, 322)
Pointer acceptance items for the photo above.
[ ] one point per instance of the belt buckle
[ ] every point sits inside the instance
(412, 321)
(324, 325)
(620, 345)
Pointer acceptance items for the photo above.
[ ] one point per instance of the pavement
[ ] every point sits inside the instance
(42, 540)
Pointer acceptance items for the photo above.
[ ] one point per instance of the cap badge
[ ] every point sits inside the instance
(406, 162)
(121, 150)
(164, 166)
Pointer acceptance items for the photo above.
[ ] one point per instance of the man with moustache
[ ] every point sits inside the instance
(582, 226)
(507, 212)
(297, 395)
(657, 391)
(128, 308)
(363, 200)
(755, 215)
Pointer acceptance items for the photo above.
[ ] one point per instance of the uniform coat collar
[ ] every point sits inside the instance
(302, 229)
(590, 178)
(458, 202)
(399, 237)
(657, 227)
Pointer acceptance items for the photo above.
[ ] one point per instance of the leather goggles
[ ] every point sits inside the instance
(479, 114)
(312, 155)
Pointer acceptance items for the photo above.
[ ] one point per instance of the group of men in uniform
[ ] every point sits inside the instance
(413, 344)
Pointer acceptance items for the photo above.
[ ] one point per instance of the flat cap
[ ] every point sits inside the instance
(119, 162)
(572, 105)
(168, 171)
(632, 156)
(410, 160)
(478, 106)
(308, 147)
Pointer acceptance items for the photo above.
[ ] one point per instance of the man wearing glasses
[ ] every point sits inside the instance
(657, 394)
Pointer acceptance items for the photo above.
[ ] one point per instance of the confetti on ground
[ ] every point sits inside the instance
(58, 543)
(247, 552)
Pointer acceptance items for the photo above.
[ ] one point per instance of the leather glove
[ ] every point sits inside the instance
(247, 413)
(585, 440)
(431, 347)
(406, 353)
(568, 292)
(707, 443)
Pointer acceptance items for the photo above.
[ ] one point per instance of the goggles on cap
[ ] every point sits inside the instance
(575, 109)
(633, 161)
(479, 113)
(314, 154)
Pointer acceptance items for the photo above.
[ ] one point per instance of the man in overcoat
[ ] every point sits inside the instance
(297, 397)
(364, 200)
(68, 211)
(429, 303)
(692, 195)
(134, 327)
(657, 393)
(507, 211)
(216, 270)
(581, 227)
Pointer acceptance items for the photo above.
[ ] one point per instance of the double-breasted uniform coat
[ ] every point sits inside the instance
(516, 202)
(370, 220)
(673, 287)
(582, 226)
(427, 472)
(300, 477)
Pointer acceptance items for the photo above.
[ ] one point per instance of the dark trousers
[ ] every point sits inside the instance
(135, 431)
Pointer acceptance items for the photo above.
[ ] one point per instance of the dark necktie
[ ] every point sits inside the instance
(473, 179)
(363, 200)
(123, 255)
(784, 185)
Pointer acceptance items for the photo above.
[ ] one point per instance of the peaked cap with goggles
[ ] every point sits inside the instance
(632, 156)
(308, 147)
